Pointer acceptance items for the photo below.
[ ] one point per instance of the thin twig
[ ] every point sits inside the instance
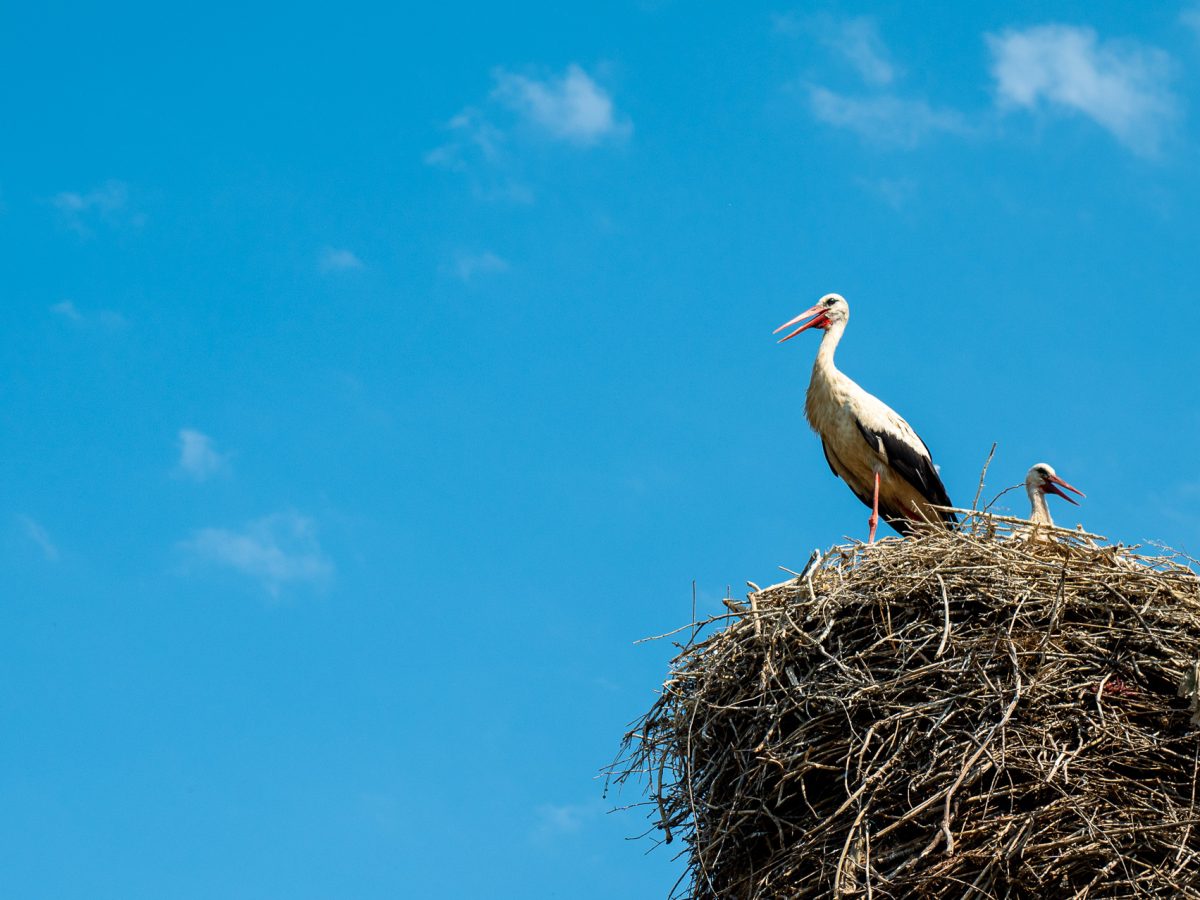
(946, 617)
(982, 475)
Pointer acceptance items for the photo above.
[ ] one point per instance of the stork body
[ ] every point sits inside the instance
(1041, 480)
(867, 444)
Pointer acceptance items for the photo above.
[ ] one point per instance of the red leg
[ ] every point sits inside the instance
(874, 520)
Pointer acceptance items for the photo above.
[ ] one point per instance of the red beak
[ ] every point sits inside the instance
(818, 321)
(1052, 484)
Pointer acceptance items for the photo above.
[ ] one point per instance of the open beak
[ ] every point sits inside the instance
(1054, 485)
(818, 321)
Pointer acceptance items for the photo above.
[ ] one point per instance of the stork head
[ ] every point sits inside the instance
(1042, 479)
(832, 309)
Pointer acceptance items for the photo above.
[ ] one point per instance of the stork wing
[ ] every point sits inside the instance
(836, 466)
(911, 460)
(829, 458)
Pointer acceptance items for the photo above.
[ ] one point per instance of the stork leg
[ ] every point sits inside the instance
(874, 520)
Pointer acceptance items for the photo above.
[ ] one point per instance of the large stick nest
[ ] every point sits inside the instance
(956, 714)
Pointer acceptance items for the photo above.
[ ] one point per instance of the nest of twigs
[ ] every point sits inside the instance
(957, 714)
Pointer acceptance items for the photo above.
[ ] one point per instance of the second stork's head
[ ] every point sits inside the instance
(1042, 479)
(831, 310)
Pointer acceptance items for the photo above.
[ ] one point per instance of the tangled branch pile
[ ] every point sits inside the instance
(951, 715)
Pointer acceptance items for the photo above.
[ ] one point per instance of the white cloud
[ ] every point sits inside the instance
(856, 40)
(276, 550)
(1122, 85)
(859, 42)
(198, 459)
(106, 203)
(334, 260)
(108, 198)
(67, 310)
(882, 114)
(36, 533)
(885, 118)
(471, 131)
(102, 318)
(466, 265)
(486, 140)
(570, 107)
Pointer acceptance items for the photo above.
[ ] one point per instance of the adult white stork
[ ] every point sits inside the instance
(867, 444)
(1041, 480)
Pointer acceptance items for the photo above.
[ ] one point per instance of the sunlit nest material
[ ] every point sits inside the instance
(956, 714)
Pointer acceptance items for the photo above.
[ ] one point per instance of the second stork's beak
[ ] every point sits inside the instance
(818, 321)
(1054, 484)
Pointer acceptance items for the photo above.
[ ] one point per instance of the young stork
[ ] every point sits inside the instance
(866, 443)
(1041, 480)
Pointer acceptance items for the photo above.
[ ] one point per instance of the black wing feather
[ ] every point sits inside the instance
(915, 467)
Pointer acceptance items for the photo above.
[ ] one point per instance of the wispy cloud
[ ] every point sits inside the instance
(485, 140)
(38, 534)
(859, 42)
(467, 266)
(68, 311)
(101, 318)
(1123, 86)
(108, 204)
(198, 458)
(470, 131)
(570, 107)
(879, 111)
(276, 550)
(885, 118)
(332, 259)
(855, 39)
(477, 150)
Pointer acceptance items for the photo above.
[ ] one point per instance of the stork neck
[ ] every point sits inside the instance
(1040, 513)
(833, 334)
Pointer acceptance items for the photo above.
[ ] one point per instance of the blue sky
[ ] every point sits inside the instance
(373, 376)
